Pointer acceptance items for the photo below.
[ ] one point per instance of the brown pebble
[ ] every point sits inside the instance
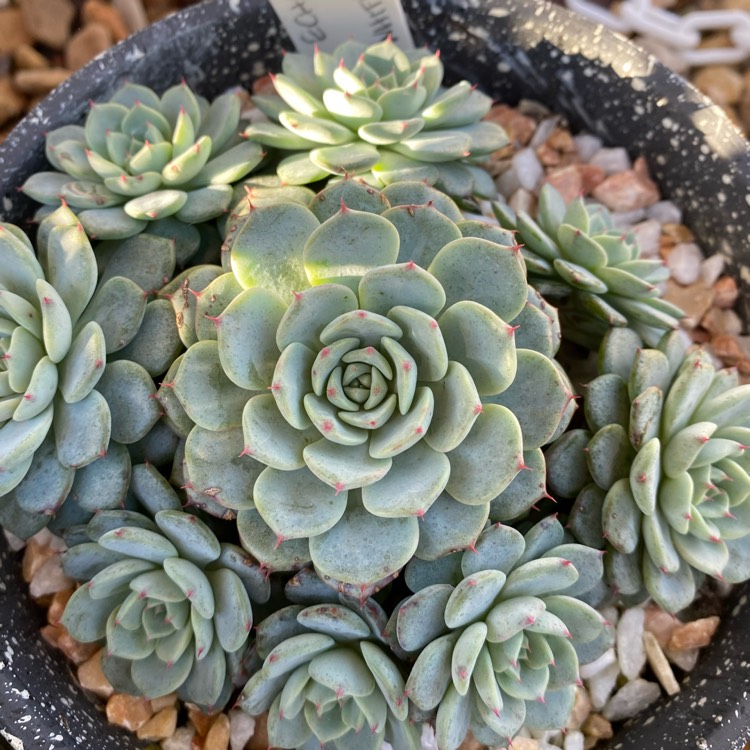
(200, 720)
(12, 104)
(694, 634)
(726, 292)
(51, 634)
(727, 349)
(695, 300)
(91, 676)
(562, 140)
(12, 30)
(86, 44)
(525, 743)
(259, 740)
(581, 709)
(548, 156)
(57, 606)
(575, 179)
(471, 743)
(128, 711)
(719, 82)
(626, 191)
(659, 664)
(263, 85)
(95, 11)
(163, 701)
(76, 651)
(34, 556)
(659, 623)
(39, 81)
(518, 127)
(26, 57)
(48, 21)
(218, 735)
(160, 726)
(132, 13)
(597, 726)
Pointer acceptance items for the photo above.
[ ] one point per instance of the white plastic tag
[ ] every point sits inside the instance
(328, 23)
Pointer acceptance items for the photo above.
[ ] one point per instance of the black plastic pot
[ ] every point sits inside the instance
(514, 49)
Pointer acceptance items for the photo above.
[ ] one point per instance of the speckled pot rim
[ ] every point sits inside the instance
(514, 49)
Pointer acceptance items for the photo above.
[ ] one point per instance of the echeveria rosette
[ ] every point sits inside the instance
(666, 477)
(379, 112)
(327, 680)
(140, 157)
(170, 601)
(385, 389)
(52, 421)
(575, 255)
(500, 640)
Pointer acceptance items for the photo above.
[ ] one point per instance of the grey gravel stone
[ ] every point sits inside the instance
(611, 160)
(630, 651)
(631, 699)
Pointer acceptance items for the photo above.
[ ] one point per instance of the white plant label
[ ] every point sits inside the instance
(328, 23)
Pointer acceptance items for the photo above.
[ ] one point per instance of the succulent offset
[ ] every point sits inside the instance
(575, 255)
(328, 676)
(665, 481)
(355, 389)
(140, 157)
(171, 602)
(499, 648)
(380, 112)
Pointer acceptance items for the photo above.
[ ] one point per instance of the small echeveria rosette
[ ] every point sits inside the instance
(575, 254)
(499, 643)
(662, 476)
(52, 421)
(379, 409)
(171, 602)
(140, 157)
(381, 113)
(327, 680)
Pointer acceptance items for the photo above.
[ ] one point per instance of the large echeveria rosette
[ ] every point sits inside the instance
(379, 112)
(140, 157)
(662, 475)
(171, 602)
(499, 640)
(377, 410)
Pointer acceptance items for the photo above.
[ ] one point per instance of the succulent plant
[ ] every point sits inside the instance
(53, 354)
(172, 603)
(500, 640)
(386, 388)
(380, 112)
(575, 254)
(327, 680)
(140, 157)
(662, 475)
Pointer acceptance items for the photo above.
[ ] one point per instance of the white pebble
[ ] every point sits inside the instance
(241, 729)
(574, 740)
(50, 579)
(648, 237)
(544, 130)
(182, 739)
(528, 169)
(626, 219)
(13, 541)
(507, 183)
(522, 200)
(596, 666)
(428, 739)
(611, 160)
(711, 268)
(631, 699)
(610, 614)
(684, 262)
(665, 212)
(685, 660)
(602, 684)
(587, 145)
(630, 651)
(732, 323)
